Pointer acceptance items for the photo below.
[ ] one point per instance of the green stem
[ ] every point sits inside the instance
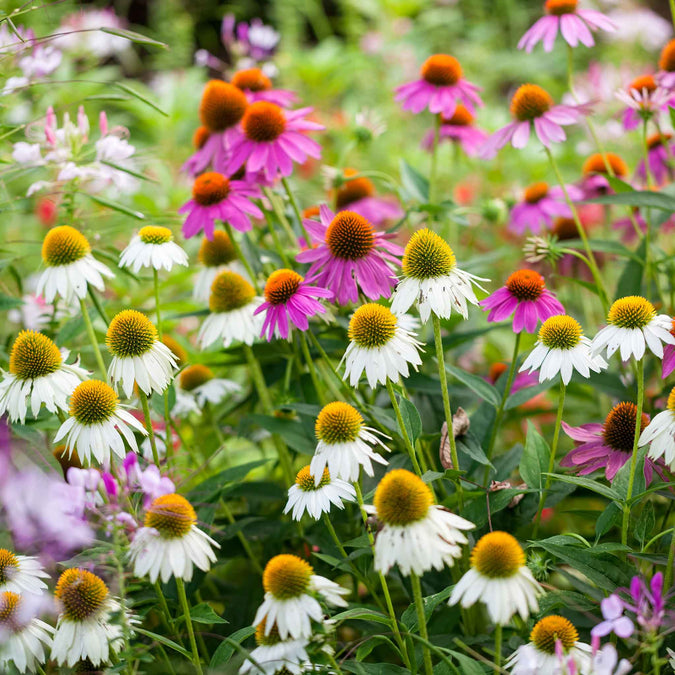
(498, 647)
(421, 620)
(155, 282)
(98, 306)
(633, 460)
(188, 623)
(277, 242)
(274, 200)
(312, 370)
(604, 297)
(296, 210)
(401, 426)
(551, 458)
(242, 538)
(672, 10)
(447, 411)
(119, 558)
(502, 405)
(334, 663)
(434, 160)
(148, 425)
(166, 614)
(92, 338)
(348, 391)
(242, 258)
(670, 563)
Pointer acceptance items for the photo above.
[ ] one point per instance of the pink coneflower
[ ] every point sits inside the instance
(358, 195)
(258, 87)
(659, 155)
(520, 381)
(440, 88)
(627, 228)
(533, 106)
(221, 108)
(539, 206)
(350, 255)
(574, 24)
(643, 99)
(607, 446)
(594, 181)
(289, 296)
(668, 364)
(272, 139)
(215, 197)
(526, 297)
(458, 129)
(666, 76)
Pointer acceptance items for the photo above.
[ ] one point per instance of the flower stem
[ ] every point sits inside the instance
(119, 563)
(277, 242)
(404, 433)
(166, 614)
(434, 160)
(447, 411)
(502, 405)
(312, 370)
(92, 338)
(242, 258)
(242, 538)
(188, 623)
(670, 563)
(551, 458)
(498, 648)
(633, 460)
(155, 283)
(296, 210)
(148, 426)
(672, 10)
(421, 620)
(604, 297)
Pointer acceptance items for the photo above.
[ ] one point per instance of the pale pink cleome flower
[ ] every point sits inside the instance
(574, 24)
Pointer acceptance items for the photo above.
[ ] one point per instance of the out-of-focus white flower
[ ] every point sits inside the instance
(81, 33)
(639, 24)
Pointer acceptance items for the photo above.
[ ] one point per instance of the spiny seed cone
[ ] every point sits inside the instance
(372, 326)
(497, 555)
(130, 333)
(33, 355)
(64, 245)
(287, 576)
(338, 422)
(81, 594)
(402, 498)
(171, 515)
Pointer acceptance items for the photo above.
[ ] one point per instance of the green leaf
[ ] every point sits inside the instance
(477, 384)
(70, 329)
(140, 97)
(588, 484)
(135, 174)
(115, 206)
(134, 37)
(630, 281)
(292, 432)
(534, 462)
(645, 523)
(605, 246)
(411, 419)
(204, 613)
(610, 517)
(415, 185)
(362, 614)
(469, 444)
(216, 483)
(9, 302)
(476, 511)
(165, 641)
(409, 616)
(468, 666)
(654, 200)
(370, 643)
(618, 185)
(226, 649)
(527, 394)
(373, 668)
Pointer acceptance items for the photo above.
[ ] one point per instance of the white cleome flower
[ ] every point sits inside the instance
(138, 355)
(344, 443)
(633, 326)
(499, 579)
(83, 629)
(97, 424)
(290, 604)
(378, 346)
(660, 434)
(606, 662)
(215, 255)
(24, 639)
(432, 280)
(416, 534)
(232, 317)
(39, 374)
(155, 248)
(275, 655)
(21, 573)
(70, 266)
(561, 348)
(170, 543)
(306, 495)
(541, 657)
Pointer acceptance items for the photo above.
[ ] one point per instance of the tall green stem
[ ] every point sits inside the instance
(434, 160)
(672, 11)
(296, 210)
(119, 563)
(403, 431)
(498, 648)
(188, 623)
(551, 458)
(148, 426)
(242, 258)
(312, 370)
(670, 563)
(92, 339)
(168, 442)
(634, 456)
(422, 621)
(242, 538)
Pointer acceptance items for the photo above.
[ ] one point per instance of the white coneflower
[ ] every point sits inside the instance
(199, 382)
(170, 543)
(83, 629)
(432, 280)
(38, 373)
(70, 266)
(215, 255)
(498, 578)
(21, 573)
(24, 639)
(290, 604)
(562, 348)
(232, 317)
(660, 434)
(153, 247)
(275, 655)
(138, 355)
(344, 443)
(98, 424)
(633, 326)
(378, 345)
(316, 498)
(540, 654)
(416, 534)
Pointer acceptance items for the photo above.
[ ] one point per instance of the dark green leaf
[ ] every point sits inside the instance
(527, 394)
(140, 97)
(477, 384)
(630, 281)
(362, 614)
(203, 613)
(589, 484)
(655, 200)
(409, 616)
(610, 517)
(165, 641)
(415, 185)
(411, 419)
(134, 37)
(115, 206)
(226, 649)
(534, 462)
(467, 665)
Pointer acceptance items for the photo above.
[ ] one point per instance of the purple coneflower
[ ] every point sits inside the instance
(539, 207)
(574, 24)
(668, 364)
(350, 255)
(659, 155)
(643, 99)
(594, 182)
(289, 296)
(440, 88)
(358, 195)
(666, 76)
(258, 87)
(458, 129)
(215, 197)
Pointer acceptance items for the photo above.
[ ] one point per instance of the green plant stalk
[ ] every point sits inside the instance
(166, 614)
(148, 425)
(401, 426)
(242, 258)
(421, 620)
(551, 458)
(312, 370)
(347, 390)
(434, 160)
(273, 199)
(242, 538)
(296, 210)
(188, 623)
(98, 305)
(670, 562)
(672, 10)
(119, 564)
(633, 460)
(168, 442)
(498, 647)
(502, 405)
(277, 242)
(92, 338)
